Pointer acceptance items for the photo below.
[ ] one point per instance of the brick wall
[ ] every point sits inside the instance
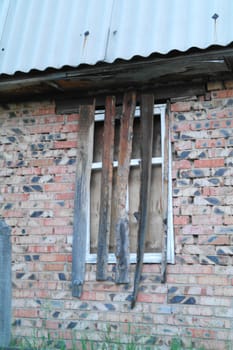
(37, 170)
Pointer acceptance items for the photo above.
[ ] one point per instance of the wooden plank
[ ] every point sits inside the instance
(81, 205)
(165, 141)
(122, 220)
(106, 189)
(147, 108)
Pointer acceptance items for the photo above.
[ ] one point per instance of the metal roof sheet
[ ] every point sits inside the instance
(38, 34)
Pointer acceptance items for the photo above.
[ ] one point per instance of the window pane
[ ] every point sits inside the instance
(94, 209)
(98, 141)
(156, 147)
(154, 235)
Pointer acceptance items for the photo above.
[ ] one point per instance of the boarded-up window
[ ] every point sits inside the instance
(154, 239)
(121, 162)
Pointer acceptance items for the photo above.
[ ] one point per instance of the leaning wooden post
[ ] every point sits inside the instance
(81, 204)
(122, 220)
(106, 189)
(147, 108)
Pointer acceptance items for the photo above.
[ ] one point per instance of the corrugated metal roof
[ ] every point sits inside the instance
(38, 34)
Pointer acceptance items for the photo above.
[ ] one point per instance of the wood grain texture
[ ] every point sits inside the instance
(106, 189)
(147, 107)
(81, 205)
(122, 220)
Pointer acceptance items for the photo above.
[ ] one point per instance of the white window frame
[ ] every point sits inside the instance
(148, 257)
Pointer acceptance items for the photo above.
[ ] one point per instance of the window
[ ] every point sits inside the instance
(123, 208)
(154, 241)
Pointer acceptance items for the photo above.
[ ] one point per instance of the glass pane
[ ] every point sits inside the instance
(154, 234)
(95, 209)
(156, 146)
(98, 141)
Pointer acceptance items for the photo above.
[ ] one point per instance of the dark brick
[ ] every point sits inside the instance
(83, 306)
(110, 307)
(37, 188)
(32, 277)
(27, 258)
(11, 138)
(35, 179)
(184, 154)
(190, 301)
(220, 172)
(177, 299)
(72, 325)
(214, 181)
(17, 131)
(172, 290)
(181, 117)
(62, 276)
(212, 200)
(8, 206)
(27, 189)
(36, 214)
(218, 211)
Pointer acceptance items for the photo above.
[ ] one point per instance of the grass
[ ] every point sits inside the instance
(108, 343)
(109, 340)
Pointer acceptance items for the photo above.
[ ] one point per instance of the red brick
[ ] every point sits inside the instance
(209, 163)
(72, 117)
(207, 220)
(181, 220)
(58, 187)
(43, 111)
(205, 143)
(181, 107)
(151, 298)
(182, 164)
(64, 196)
(29, 313)
(51, 119)
(228, 220)
(213, 280)
(52, 324)
(54, 267)
(42, 162)
(65, 144)
(222, 94)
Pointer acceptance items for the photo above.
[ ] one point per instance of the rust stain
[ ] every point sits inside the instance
(86, 34)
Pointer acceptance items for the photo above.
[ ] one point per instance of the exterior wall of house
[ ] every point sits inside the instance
(37, 171)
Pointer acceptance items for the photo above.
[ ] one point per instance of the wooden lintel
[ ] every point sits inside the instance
(106, 189)
(147, 108)
(81, 205)
(122, 220)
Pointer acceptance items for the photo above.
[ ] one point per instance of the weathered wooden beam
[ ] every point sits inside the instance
(81, 204)
(122, 220)
(106, 189)
(147, 107)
